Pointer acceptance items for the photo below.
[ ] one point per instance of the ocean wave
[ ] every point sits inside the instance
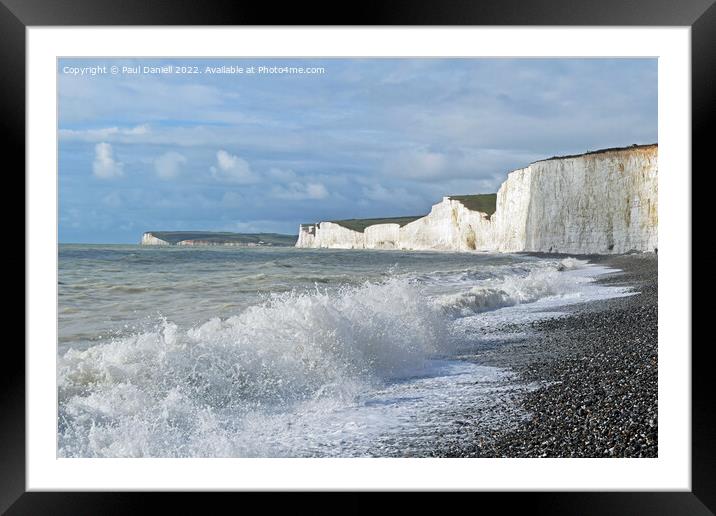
(545, 280)
(135, 395)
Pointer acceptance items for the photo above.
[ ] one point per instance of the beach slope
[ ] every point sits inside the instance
(598, 365)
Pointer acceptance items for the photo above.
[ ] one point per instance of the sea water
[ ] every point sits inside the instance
(283, 352)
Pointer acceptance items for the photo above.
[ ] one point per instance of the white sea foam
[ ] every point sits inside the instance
(291, 348)
(544, 280)
(326, 371)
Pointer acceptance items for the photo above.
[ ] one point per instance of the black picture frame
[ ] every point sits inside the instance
(17, 15)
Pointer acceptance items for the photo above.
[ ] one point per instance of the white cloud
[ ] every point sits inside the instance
(103, 133)
(292, 188)
(296, 191)
(232, 169)
(316, 191)
(139, 129)
(167, 165)
(104, 165)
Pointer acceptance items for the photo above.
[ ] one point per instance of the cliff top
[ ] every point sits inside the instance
(601, 151)
(360, 224)
(174, 237)
(485, 203)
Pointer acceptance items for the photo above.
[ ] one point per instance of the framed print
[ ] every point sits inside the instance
(440, 249)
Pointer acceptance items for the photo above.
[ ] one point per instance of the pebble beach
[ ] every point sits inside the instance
(597, 367)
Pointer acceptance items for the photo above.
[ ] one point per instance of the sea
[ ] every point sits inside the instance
(285, 352)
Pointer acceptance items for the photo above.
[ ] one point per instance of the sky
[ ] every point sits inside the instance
(194, 149)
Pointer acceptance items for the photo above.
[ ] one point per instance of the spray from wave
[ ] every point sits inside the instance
(143, 395)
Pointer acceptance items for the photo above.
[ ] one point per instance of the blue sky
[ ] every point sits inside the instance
(366, 138)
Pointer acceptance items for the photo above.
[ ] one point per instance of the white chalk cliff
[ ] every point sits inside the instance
(149, 239)
(604, 202)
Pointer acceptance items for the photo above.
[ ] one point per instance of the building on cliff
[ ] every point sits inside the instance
(601, 202)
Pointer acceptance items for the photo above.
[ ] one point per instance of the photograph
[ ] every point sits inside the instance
(357, 257)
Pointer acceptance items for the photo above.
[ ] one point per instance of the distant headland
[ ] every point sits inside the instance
(217, 238)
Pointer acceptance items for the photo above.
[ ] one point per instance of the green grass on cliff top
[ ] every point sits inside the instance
(360, 224)
(486, 203)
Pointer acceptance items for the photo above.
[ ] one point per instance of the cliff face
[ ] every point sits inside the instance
(598, 203)
(449, 226)
(330, 234)
(382, 236)
(604, 202)
(306, 235)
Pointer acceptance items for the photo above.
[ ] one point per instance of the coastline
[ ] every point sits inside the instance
(598, 368)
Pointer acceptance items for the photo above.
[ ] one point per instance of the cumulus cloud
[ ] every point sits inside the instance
(232, 169)
(168, 165)
(290, 186)
(104, 165)
(297, 191)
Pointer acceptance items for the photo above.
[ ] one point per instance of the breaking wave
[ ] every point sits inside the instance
(209, 389)
(510, 290)
(130, 396)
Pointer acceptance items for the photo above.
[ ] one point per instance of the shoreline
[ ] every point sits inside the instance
(598, 370)
(522, 413)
